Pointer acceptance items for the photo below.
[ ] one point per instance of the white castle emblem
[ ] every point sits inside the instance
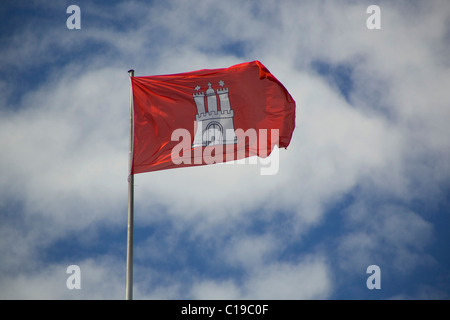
(214, 126)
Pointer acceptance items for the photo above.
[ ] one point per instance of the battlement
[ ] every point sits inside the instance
(215, 115)
(198, 94)
(222, 91)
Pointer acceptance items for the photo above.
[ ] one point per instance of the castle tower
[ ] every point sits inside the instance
(211, 99)
(199, 99)
(223, 98)
(214, 126)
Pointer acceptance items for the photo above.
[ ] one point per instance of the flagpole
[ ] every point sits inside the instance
(129, 281)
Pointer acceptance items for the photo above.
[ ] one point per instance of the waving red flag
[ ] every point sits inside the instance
(209, 116)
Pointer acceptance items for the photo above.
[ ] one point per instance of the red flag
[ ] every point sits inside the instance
(209, 116)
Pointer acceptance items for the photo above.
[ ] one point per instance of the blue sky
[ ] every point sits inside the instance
(365, 181)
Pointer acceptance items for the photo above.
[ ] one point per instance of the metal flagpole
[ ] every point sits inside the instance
(129, 283)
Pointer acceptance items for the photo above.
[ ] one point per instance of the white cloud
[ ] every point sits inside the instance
(216, 290)
(102, 278)
(387, 236)
(248, 251)
(308, 279)
(64, 148)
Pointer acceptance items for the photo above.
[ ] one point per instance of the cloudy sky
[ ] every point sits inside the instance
(365, 180)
